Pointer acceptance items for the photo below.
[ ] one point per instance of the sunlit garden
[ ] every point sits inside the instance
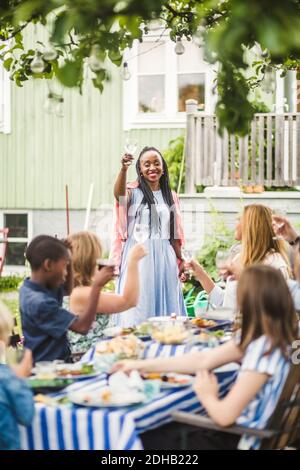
(149, 228)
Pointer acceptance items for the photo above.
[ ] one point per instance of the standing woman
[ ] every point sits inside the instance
(149, 204)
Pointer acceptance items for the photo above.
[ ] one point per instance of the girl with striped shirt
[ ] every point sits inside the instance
(269, 327)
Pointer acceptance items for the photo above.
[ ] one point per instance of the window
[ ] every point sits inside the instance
(19, 225)
(191, 83)
(151, 77)
(162, 81)
(4, 101)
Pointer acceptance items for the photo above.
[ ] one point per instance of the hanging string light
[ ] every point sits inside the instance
(37, 65)
(50, 53)
(179, 48)
(95, 62)
(125, 72)
(49, 104)
(59, 109)
(54, 103)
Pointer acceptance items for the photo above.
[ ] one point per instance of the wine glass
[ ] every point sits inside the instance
(222, 258)
(277, 226)
(187, 254)
(141, 232)
(130, 146)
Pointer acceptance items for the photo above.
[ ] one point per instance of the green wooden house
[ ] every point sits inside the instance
(41, 153)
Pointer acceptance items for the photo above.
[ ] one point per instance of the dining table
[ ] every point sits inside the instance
(69, 426)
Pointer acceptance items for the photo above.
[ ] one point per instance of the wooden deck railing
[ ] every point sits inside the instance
(268, 156)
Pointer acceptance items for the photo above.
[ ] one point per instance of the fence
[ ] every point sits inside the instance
(268, 156)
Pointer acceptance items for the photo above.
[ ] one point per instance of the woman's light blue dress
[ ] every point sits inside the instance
(160, 288)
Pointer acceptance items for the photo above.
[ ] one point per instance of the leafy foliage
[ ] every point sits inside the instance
(229, 29)
(173, 156)
(10, 283)
(220, 238)
(13, 306)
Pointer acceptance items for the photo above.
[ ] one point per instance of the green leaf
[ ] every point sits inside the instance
(7, 63)
(70, 74)
(26, 10)
(62, 26)
(115, 57)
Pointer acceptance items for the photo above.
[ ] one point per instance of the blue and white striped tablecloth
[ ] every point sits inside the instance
(154, 349)
(68, 428)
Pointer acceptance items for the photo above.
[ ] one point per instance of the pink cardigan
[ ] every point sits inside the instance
(120, 233)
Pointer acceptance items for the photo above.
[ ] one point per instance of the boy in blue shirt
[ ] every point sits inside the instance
(44, 321)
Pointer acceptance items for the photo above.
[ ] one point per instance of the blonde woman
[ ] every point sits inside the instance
(259, 246)
(86, 249)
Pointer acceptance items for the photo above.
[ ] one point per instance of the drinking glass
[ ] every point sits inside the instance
(130, 146)
(222, 258)
(187, 254)
(277, 226)
(141, 232)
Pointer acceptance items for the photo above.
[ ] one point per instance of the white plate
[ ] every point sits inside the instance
(167, 319)
(78, 377)
(167, 385)
(95, 399)
(112, 331)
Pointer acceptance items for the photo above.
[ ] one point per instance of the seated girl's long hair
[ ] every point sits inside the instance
(266, 308)
(258, 236)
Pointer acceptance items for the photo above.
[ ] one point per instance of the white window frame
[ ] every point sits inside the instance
(5, 101)
(9, 269)
(171, 118)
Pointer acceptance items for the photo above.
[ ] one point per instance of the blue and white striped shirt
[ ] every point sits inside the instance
(258, 411)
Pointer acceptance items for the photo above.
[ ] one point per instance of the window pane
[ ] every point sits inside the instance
(191, 86)
(15, 254)
(17, 224)
(192, 59)
(151, 58)
(151, 94)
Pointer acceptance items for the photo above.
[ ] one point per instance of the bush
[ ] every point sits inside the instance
(173, 156)
(10, 283)
(220, 238)
(13, 306)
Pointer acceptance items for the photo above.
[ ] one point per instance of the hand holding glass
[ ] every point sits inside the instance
(278, 224)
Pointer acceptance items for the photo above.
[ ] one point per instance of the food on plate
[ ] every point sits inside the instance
(170, 333)
(106, 395)
(75, 370)
(203, 337)
(218, 333)
(203, 322)
(169, 378)
(127, 331)
(128, 346)
(144, 329)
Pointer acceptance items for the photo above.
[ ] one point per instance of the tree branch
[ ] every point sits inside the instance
(17, 31)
